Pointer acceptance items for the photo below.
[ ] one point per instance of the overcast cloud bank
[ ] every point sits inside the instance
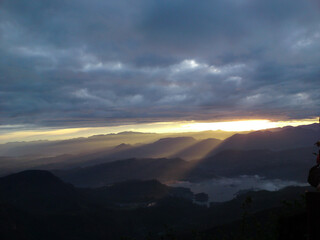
(92, 63)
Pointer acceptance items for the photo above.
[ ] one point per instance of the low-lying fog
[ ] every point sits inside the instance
(224, 189)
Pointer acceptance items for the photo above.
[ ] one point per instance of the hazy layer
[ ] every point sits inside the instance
(224, 189)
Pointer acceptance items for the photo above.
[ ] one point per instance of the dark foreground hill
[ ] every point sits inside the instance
(135, 193)
(41, 191)
(162, 169)
(37, 190)
(94, 219)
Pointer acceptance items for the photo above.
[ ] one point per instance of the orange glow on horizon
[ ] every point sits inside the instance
(157, 127)
(245, 125)
(236, 126)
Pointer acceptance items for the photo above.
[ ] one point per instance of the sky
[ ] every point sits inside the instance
(78, 64)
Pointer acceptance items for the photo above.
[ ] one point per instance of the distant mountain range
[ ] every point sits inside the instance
(198, 150)
(275, 139)
(179, 147)
(186, 148)
(162, 148)
(281, 153)
(284, 153)
(75, 146)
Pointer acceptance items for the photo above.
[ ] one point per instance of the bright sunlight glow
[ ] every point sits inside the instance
(157, 127)
(247, 125)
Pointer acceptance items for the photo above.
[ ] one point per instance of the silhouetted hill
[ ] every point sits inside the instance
(37, 190)
(136, 191)
(162, 169)
(41, 191)
(285, 218)
(19, 221)
(280, 139)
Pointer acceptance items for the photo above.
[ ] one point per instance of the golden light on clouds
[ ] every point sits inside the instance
(39, 134)
(247, 125)
(158, 127)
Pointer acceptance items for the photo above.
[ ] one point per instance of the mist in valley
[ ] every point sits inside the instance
(224, 189)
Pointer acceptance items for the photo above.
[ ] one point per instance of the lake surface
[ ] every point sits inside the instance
(224, 189)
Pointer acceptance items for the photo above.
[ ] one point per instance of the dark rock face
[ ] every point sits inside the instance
(313, 211)
(201, 197)
(38, 190)
(38, 205)
(138, 191)
(41, 191)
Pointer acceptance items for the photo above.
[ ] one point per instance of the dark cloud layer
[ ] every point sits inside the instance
(88, 63)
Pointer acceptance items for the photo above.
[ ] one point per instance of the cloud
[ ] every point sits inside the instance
(84, 63)
(225, 189)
